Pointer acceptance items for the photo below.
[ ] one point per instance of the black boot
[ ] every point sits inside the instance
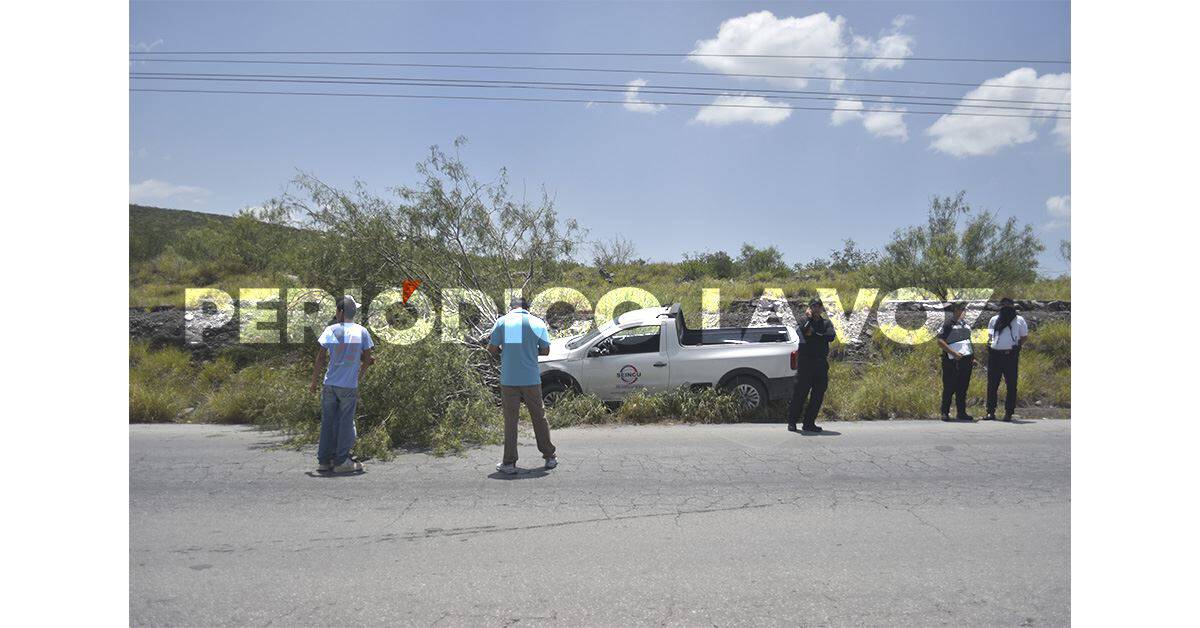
(810, 427)
(791, 427)
(946, 416)
(991, 416)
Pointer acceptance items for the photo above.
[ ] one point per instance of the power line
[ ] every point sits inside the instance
(570, 100)
(622, 86)
(609, 70)
(541, 53)
(618, 89)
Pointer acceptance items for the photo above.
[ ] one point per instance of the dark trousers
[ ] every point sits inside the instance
(956, 377)
(812, 378)
(1002, 365)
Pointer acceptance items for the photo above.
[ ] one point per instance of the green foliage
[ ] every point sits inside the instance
(849, 259)
(574, 409)
(450, 230)
(937, 256)
(261, 395)
(905, 385)
(152, 230)
(160, 383)
(717, 265)
(765, 261)
(154, 402)
(1052, 339)
(425, 392)
(704, 405)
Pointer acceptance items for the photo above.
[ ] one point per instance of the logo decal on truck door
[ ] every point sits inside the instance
(628, 374)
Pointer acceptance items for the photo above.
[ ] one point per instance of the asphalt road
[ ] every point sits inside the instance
(899, 523)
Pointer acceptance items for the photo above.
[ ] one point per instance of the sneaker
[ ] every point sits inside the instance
(349, 466)
(791, 427)
(946, 417)
(507, 469)
(807, 427)
(991, 416)
(551, 462)
(324, 467)
(1008, 417)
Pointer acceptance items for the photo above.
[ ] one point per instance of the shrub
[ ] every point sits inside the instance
(702, 405)
(1052, 340)
(428, 395)
(261, 395)
(153, 403)
(213, 374)
(640, 407)
(160, 383)
(902, 385)
(572, 409)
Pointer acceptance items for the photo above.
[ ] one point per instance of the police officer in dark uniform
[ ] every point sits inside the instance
(958, 360)
(812, 366)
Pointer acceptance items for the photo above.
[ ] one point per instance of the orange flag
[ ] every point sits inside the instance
(409, 286)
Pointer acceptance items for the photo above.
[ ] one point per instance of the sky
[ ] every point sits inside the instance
(674, 180)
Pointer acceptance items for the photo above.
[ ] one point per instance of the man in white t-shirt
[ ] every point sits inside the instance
(1007, 331)
(346, 346)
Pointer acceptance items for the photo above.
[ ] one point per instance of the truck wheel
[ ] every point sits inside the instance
(552, 392)
(749, 391)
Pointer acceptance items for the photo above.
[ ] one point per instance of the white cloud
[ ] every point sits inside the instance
(744, 109)
(976, 135)
(1059, 208)
(634, 103)
(846, 111)
(887, 123)
(156, 191)
(142, 46)
(818, 35)
(889, 50)
(762, 33)
(880, 121)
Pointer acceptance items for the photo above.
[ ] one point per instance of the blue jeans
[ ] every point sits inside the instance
(337, 424)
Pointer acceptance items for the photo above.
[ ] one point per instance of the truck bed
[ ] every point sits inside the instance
(726, 335)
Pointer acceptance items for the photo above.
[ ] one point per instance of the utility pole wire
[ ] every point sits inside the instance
(621, 89)
(570, 100)
(603, 70)
(542, 53)
(626, 86)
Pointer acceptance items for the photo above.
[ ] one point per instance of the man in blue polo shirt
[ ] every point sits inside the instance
(519, 338)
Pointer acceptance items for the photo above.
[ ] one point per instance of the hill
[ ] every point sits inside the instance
(153, 229)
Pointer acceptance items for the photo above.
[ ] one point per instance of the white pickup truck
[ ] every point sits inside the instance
(653, 350)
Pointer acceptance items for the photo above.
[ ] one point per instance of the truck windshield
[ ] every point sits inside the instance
(579, 341)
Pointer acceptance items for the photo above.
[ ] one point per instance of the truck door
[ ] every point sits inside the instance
(629, 360)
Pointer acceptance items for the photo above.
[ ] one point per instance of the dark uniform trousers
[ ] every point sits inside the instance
(812, 378)
(1002, 364)
(956, 377)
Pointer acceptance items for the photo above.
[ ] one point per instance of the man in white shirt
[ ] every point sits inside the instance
(347, 348)
(1007, 331)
